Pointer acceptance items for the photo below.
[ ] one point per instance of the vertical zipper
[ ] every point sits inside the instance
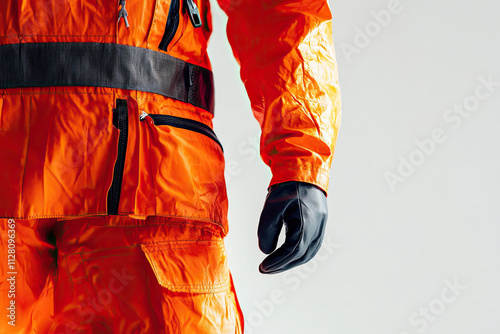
(120, 121)
(173, 20)
(172, 25)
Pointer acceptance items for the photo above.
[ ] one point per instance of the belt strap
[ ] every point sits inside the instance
(105, 65)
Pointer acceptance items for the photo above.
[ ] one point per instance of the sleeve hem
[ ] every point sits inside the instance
(316, 176)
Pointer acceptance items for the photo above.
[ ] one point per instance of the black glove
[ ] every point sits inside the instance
(302, 208)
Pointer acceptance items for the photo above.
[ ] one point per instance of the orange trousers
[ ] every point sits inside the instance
(113, 274)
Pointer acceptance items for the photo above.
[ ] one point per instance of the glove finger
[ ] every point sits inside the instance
(268, 233)
(270, 225)
(292, 249)
(311, 251)
(302, 242)
(303, 210)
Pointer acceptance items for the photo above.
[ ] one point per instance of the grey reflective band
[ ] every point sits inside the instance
(105, 65)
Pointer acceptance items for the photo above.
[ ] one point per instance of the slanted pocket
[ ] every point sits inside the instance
(183, 123)
(186, 169)
(195, 266)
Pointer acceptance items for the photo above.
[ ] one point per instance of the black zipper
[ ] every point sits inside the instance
(172, 25)
(173, 21)
(120, 121)
(183, 123)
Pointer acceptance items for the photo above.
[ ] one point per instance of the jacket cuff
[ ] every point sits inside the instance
(318, 176)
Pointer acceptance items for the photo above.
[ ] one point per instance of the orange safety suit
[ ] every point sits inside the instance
(113, 203)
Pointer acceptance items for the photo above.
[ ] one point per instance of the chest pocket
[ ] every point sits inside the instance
(91, 21)
(71, 18)
(170, 21)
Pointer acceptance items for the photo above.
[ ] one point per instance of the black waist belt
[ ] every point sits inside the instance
(105, 65)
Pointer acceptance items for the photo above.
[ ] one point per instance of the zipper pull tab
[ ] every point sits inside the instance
(123, 13)
(143, 115)
(194, 13)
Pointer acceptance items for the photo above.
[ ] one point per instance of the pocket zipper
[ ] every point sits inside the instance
(183, 123)
(173, 21)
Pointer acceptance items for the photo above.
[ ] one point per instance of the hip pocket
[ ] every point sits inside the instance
(198, 266)
(191, 285)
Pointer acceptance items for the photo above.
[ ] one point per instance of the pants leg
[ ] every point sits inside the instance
(123, 275)
(118, 275)
(27, 272)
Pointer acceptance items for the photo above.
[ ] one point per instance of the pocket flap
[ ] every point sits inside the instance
(197, 266)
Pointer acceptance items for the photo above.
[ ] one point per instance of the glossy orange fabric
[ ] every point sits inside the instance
(119, 275)
(285, 49)
(59, 144)
(58, 149)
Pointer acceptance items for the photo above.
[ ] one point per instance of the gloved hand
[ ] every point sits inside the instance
(302, 208)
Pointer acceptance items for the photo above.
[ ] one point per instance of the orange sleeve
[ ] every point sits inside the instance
(286, 53)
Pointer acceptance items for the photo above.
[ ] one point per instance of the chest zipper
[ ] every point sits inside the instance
(194, 13)
(173, 20)
(182, 123)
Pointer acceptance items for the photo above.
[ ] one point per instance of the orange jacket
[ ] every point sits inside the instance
(73, 142)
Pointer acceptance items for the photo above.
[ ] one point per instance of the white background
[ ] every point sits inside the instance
(393, 252)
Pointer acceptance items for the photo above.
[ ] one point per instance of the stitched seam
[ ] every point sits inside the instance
(26, 159)
(93, 93)
(53, 216)
(152, 24)
(165, 243)
(160, 249)
(149, 138)
(106, 256)
(61, 93)
(47, 144)
(104, 213)
(207, 286)
(183, 223)
(69, 35)
(137, 246)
